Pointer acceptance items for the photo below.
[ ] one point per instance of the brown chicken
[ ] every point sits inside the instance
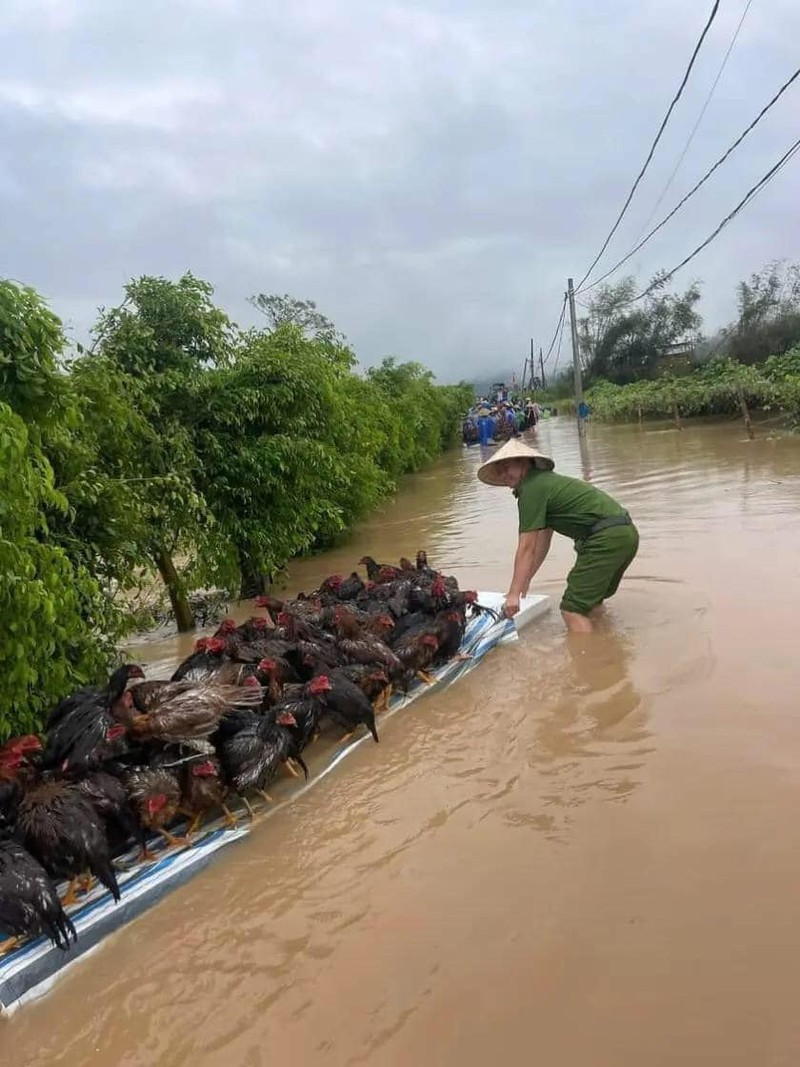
(188, 711)
(202, 790)
(155, 795)
(361, 647)
(417, 652)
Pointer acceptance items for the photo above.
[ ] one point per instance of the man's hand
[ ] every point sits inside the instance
(511, 606)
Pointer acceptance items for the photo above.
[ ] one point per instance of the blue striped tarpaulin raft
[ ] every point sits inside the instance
(31, 970)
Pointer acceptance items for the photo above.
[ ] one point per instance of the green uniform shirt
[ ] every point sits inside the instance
(567, 505)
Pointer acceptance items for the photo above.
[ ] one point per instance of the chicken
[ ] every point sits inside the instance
(303, 607)
(94, 696)
(63, 831)
(15, 772)
(29, 903)
(202, 790)
(306, 703)
(360, 647)
(391, 596)
(155, 796)
(341, 589)
(374, 684)
(347, 705)
(108, 797)
(188, 711)
(449, 627)
(20, 745)
(271, 676)
(251, 749)
(417, 651)
(209, 654)
(381, 572)
(88, 732)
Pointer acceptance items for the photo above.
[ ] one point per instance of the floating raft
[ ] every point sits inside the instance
(32, 970)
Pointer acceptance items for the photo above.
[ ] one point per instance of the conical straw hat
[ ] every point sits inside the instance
(513, 449)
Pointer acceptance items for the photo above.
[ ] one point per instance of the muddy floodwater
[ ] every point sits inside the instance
(585, 853)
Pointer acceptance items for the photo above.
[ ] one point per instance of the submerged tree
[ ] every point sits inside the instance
(768, 321)
(622, 340)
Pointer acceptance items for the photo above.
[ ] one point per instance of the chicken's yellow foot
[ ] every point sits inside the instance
(423, 676)
(230, 820)
(9, 945)
(173, 841)
(86, 883)
(194, 824)
(70, 897)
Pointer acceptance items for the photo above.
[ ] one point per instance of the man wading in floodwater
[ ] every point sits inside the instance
(605, 538)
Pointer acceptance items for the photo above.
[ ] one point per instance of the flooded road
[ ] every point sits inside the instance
(582, 854)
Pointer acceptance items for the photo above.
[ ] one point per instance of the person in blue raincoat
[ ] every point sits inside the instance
(485, 426)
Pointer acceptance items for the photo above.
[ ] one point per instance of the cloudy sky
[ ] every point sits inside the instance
(429, 171)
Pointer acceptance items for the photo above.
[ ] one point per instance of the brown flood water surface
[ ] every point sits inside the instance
(583, 854)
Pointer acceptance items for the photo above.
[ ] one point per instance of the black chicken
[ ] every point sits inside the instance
(208, 655)
(29, 903)
(373, 683)
(337, 589)
(63, 831)
(347, 706)
(88, 734)
(109, 798)
(306, 703)
(92, 695)
(251, 749)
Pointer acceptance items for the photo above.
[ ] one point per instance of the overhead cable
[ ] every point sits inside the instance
(650, 154)
(700, 117)
(702, 182)
(558, 327)
(771, 173)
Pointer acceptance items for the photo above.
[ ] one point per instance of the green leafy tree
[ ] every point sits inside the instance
(264, 429)
(55, 623)
(154, 348)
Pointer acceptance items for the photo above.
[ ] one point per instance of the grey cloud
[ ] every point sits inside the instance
(429, 172)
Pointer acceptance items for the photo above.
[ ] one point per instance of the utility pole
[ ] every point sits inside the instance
(576, 359)
(541, 368)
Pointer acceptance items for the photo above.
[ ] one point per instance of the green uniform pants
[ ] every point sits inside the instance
(602, 560)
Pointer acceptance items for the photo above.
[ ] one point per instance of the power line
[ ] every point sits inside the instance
(700, 117)
(702, 182)
(562, 323)
(559, 325)
(728, 218)
(650, 154)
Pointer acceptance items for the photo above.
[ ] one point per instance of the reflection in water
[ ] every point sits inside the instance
(592, 738)
(462, 891)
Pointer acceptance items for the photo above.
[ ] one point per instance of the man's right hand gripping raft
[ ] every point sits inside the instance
(605, 538)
